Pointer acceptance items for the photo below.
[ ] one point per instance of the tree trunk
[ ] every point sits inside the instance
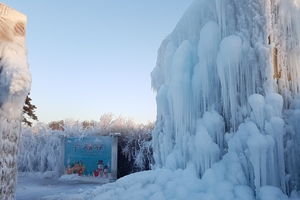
(15, 82)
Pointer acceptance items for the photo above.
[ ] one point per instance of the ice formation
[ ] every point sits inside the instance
(15, 81)
(228, 90)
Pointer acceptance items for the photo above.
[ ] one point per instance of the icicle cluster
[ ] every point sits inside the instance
(228, 82)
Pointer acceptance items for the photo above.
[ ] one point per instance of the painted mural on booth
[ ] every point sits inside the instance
(89, 156)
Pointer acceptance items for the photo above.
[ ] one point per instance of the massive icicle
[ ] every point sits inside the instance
(240, 61)
(15, 81)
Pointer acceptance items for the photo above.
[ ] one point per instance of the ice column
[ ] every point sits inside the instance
(229, 63)
(205, 82)
(15, 82)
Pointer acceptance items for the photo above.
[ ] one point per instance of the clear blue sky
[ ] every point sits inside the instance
(91, 57)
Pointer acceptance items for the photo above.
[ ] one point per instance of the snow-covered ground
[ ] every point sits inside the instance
(160, 184)
(43, 186)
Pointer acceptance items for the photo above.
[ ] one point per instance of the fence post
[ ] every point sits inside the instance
(114, 156)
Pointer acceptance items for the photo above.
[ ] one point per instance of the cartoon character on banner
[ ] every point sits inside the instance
(78, 168)
(105, 171)
(98, 171)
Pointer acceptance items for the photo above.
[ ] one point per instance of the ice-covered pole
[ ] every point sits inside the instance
(15, 82)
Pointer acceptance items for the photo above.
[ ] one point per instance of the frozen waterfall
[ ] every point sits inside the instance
(228, 93)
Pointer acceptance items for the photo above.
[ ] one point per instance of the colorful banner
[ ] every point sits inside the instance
(88, 156)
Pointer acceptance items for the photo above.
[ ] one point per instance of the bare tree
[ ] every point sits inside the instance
(15, 82)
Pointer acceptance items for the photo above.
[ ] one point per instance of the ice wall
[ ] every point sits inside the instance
(227, 81)
(15, 81)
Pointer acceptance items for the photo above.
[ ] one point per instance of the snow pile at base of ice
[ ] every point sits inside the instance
(167, 184)
(221, 182)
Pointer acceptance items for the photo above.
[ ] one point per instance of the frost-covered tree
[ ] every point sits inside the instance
(57, 125)
(15, 82)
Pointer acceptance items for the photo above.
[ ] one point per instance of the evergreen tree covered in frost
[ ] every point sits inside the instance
(29, 112)
(228, 94)
(15, 81)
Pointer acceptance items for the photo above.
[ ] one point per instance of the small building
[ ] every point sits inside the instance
(91, 157)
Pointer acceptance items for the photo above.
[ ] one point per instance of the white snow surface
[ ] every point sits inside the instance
(228, 107)
(33, 186)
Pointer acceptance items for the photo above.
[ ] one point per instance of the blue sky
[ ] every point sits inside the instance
(91, 58)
